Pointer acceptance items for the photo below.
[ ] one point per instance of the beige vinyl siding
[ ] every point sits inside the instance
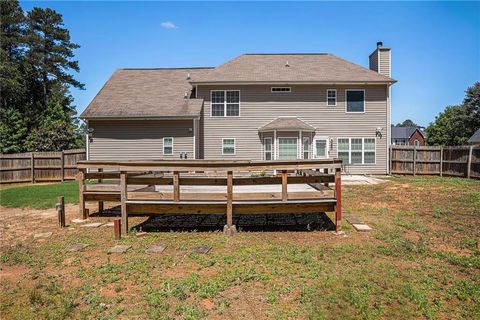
(259, 106)
(139, 139)
(384, 63)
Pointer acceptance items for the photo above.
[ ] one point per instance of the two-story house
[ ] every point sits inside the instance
(255, 106)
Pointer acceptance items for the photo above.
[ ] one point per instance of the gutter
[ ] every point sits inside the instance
(291, 82)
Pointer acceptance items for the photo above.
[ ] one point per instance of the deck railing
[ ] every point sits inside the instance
(148, 187)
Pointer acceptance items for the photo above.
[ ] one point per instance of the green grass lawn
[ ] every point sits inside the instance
(38, 196)
(421, 261)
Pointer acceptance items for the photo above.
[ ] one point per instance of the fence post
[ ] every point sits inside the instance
(100, 203)
(414, 160)
(441, 161)
(32, 166)
(390, 164)
(63, 167)
(61, 211)
(469, 162)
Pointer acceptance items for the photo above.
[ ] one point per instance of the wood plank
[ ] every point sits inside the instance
(123, 199)
(102, 196)
(239, 196)
(62, 167)
(102, 187)
(102, 175)
(469, 163)
(338, 197)
(81, 189)
(238, 208)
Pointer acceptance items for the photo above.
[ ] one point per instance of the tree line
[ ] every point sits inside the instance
(36, 65)
(456, 124)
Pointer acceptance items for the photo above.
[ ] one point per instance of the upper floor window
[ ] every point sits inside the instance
(331, 97)
(281, 89)
(355, 100)
(225, 103)
(168, 146)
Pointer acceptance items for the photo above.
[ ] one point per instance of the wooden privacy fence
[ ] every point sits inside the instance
(212, 187)
(461, 161)
(40, 166)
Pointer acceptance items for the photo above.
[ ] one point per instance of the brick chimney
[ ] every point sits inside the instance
(380, 60)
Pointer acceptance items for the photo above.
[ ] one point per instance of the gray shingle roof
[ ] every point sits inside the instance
(273, 68)
(146, 93)
(404, 132)
(287, 123)
(475, 138)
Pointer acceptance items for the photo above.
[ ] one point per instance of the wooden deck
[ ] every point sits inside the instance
(212, 187)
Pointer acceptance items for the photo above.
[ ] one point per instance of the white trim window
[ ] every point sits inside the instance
(281, 89)
(331, 97)
(228, 146)
(357, 150)
(416, 143)
(321, 148)
(306, 147)
(225, 103)
(167, 146)
(355, 101)
(287, 148)
(267, 148)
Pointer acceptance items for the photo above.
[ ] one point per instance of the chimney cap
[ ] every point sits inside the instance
(379, 44)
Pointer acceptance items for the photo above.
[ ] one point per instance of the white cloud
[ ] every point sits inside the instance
(168, 25)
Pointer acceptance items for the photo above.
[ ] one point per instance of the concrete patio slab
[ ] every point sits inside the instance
(201, 249)
(156, 248)
(77, 247)
(361, 227)
(92, 225)
(119, 249)
(42, 235)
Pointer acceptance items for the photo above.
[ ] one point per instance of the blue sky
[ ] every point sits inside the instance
(435, 45)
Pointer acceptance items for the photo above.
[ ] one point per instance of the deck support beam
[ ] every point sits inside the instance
(338, 196)
(229, 229)
(81, 197)
(284, 186)
(100, 203)
(123, 201)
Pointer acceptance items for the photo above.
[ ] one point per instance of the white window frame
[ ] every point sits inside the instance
(265, 150)
(225, 104)
(234, 147)
(363, 151)
(287, 91)
(167, 154)
(303, 149)
(332, 105)
(416, 143)
(346, 102)
(327, 147)
(278, 140)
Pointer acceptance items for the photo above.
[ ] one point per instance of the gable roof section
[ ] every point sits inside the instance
(147, 93)
(475, 138)
(287, 123)
(273, 68)
(404, 132)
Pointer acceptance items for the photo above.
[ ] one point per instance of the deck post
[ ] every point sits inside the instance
(60, 206)
(81, 189)
(123, 199)
(176, 186)
(229, 229)
(284, 186)
(441, 161)
(100, 203)
(469, 161)
(325, 171)
(338, 197)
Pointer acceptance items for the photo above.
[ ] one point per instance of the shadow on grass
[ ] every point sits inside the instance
(215, 222)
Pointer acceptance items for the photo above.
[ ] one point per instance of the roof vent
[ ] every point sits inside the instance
(286, 64)
(188, 76)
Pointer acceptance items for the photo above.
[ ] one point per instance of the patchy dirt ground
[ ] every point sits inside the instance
(421, 261)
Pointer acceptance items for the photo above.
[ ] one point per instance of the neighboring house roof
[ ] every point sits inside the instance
(287, 123)
(405, 132)
(149, 93)
(291, 68)
(475, 138)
